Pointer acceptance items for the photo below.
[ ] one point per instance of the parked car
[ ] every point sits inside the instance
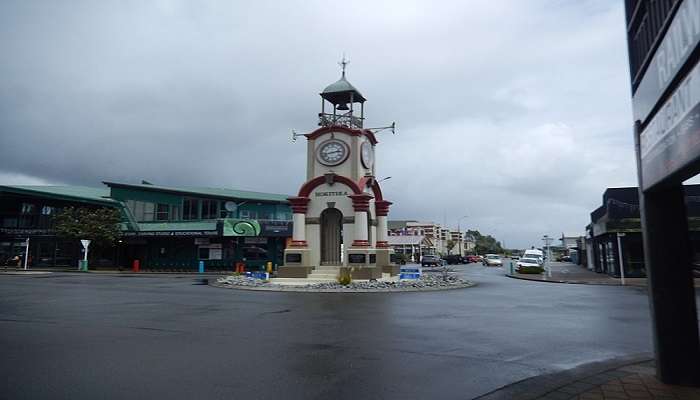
(454, 259)
(534, 253)
(493, 260)
(473, 259)
(430, 260)
(527, 262)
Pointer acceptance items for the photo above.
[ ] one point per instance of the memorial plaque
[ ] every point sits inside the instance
(356, 258)
(293, 258)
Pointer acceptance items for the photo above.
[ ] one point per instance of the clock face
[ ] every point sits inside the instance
(367, 155)
(332, 152)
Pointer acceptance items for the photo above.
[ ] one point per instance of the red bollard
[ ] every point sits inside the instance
(135, 267)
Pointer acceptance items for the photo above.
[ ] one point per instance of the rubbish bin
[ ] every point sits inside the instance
(83, 265)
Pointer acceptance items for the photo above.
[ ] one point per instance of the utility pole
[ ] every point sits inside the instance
(547, 240)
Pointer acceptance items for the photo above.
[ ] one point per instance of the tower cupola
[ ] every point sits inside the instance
(342, 96)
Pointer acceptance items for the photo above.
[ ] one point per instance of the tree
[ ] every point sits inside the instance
(450, 245)
(485, 244)
(100, 225)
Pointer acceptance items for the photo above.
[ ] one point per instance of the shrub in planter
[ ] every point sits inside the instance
(529, 270)
(345, 278)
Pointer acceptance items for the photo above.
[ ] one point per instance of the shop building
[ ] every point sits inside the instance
(172, 228)
(614, 236)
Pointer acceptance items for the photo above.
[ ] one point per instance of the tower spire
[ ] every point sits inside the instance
(343, 64)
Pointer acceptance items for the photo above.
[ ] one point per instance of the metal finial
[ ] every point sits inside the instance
(343, 63)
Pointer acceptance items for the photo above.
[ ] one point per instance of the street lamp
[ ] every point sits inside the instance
(384, 179)
(459, 229)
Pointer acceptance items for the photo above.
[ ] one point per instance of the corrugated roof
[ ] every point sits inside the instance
(204, 191)
(78, 193)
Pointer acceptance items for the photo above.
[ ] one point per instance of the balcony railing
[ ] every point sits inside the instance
(346, 120)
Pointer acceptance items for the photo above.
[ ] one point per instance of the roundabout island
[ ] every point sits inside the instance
(427, 282)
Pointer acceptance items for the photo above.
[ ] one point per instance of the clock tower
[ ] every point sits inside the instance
(339, 213)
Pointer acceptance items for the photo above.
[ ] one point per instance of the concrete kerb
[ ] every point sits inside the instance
(302, 289)
(571, 282)
(594, 373)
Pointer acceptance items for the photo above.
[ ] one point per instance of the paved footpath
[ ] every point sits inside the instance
(572, 273)
(630, 381)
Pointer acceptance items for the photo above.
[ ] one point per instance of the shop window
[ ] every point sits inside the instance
(28, 208)
(210, 209)
(247, 214)
(174, 213)
(162, 212)
(148, 211)
(190, 209)
(284, 216)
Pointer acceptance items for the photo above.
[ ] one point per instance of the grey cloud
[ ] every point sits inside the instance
(207, 93)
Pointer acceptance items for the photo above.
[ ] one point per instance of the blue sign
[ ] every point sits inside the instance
(410, 272)
(260, 275)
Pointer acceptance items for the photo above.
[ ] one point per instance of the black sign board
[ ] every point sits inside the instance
(275, 228)
(356, 258)
(293, 258)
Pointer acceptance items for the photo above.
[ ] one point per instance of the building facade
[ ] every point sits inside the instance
(171, 228)
(614, 236)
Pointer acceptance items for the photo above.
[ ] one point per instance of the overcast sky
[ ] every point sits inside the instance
(514, 113)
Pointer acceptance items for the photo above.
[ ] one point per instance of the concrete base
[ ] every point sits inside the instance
(392, 269)
(297, 263)
(293, 271)
(363, 272)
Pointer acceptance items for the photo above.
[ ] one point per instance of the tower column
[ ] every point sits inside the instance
(382, 209)
(299, 207)
(360, 203)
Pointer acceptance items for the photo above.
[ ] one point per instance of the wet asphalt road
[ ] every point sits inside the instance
(71, 336)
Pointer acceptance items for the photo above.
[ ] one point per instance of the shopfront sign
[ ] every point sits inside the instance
(679, 42)
(255, 240)
(23, 231)
(671, 140)
(169, 233)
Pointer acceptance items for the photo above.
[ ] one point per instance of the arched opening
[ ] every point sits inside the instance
(331, 236)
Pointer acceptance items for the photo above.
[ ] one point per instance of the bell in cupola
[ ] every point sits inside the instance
(343, 97)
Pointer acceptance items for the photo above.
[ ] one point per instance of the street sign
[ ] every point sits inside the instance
(671, 140)
(86, 243)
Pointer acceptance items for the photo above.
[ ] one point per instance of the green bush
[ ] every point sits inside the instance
(529, 270)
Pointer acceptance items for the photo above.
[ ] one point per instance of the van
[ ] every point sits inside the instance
(534, 253)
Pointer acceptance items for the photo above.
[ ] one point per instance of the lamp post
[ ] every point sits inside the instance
(459, 229)
(547, 240)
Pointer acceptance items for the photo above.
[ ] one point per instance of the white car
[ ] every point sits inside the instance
(536, 254)
(493, 260)
(528, 262)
